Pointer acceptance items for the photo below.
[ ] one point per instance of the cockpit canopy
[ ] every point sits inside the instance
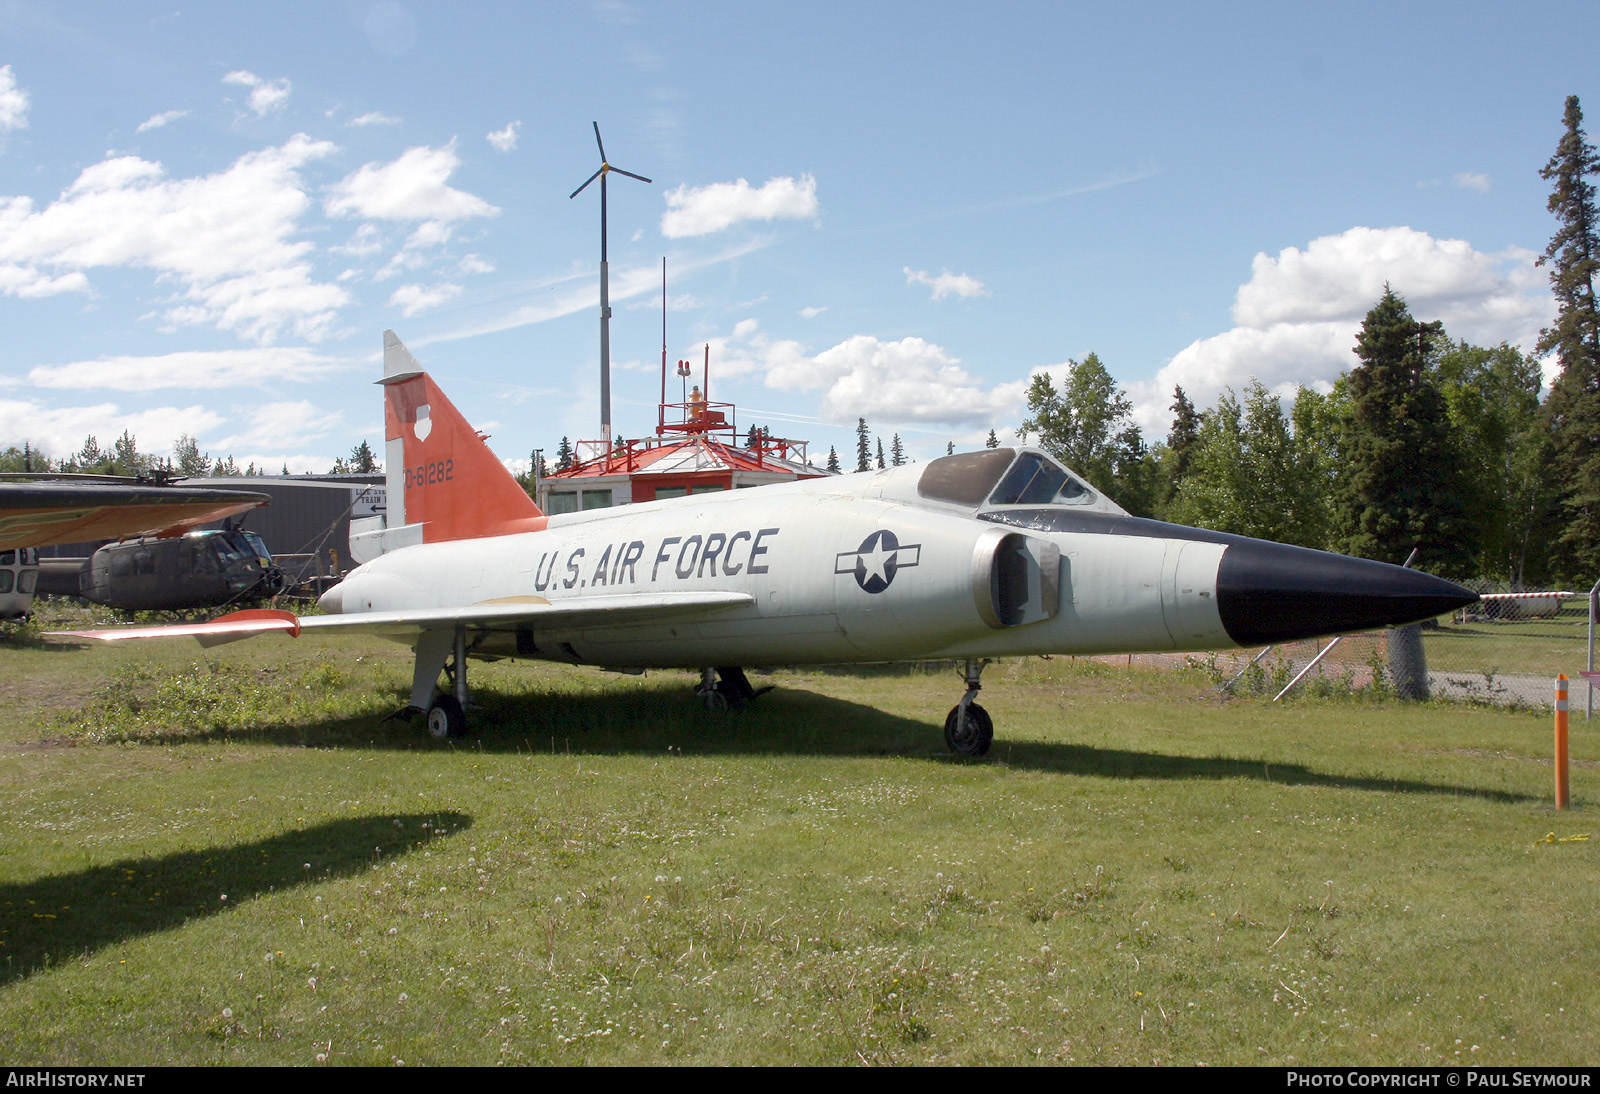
(1007, 476)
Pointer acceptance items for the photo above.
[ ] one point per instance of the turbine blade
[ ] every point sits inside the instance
(585, 185)
(598, 141)
(630, 174)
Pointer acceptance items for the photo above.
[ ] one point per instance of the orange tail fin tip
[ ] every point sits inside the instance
(450, 482)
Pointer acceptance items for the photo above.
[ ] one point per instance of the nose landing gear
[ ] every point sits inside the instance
(968, 729)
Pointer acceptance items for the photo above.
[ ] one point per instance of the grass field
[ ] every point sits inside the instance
(229, 858)
(1547, 646)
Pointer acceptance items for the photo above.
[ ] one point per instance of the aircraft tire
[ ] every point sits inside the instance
(446, 718)
(979, 733)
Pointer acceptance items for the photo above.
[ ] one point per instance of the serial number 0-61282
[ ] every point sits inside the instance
(426, 474)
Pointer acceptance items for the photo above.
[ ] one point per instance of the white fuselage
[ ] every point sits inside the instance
(853, 568)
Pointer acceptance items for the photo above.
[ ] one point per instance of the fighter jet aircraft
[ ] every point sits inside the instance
(996, 553)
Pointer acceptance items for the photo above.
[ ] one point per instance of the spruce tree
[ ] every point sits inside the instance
(563, 455)
(863, 446)
(992, 441)
(125, 456)
(897, 451)
(1181, 442)
(880, 453)
(1403, 484)
(365, 459)
(1572, 412)
(833, 460)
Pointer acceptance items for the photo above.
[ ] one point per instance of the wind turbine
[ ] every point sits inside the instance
(605, 288)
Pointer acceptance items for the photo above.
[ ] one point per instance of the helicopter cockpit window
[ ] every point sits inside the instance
(965, 478)
(1035, 480)
(258, 545)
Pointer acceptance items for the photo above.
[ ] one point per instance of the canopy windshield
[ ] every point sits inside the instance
(1000, 476)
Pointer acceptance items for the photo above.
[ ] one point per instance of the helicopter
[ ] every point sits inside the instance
(195, 570)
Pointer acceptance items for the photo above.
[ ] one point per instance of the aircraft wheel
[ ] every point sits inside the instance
(446, 718)
(717, 702)
(975, 737)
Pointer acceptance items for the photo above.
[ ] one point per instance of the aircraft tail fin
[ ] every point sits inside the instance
(442, 479)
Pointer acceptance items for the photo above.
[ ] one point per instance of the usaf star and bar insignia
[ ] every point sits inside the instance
(877, 560)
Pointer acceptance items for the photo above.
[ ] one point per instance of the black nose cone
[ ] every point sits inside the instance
(1271, 592)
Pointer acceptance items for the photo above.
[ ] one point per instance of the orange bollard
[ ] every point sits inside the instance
(1561, 741)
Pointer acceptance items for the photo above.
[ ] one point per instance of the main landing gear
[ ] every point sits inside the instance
(440, 651)
(729, 693)
(968, 729)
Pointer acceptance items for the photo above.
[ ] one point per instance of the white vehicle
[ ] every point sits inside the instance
(994, 553)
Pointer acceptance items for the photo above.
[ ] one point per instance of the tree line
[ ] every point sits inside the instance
(124, 458)
(1427, 443)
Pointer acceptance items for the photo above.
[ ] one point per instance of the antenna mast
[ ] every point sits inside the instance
(605, 288)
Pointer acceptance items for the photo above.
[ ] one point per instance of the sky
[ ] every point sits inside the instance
(897, 211)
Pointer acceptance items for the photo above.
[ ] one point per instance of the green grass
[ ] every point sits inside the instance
(230, 858)
(1541, 647)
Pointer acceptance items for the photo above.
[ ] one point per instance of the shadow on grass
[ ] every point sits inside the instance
(1119, 763)
(63, 916)
(787, 721)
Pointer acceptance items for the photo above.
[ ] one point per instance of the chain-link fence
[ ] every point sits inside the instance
(1503, 651)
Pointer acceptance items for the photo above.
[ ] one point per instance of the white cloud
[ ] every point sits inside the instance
(413, 187)
(475, 264)
(265, 95)
(1342, 277)
(416, 299)
(242, 367)
(60, 431)
(909, 380)
(279, 426)
(1472, 180)
(226, 239)
(705, 209)
(368, 239)
(811, 313)
(13, 103)
(372, 117)
(505, 140)
(1297, 317)
(947, 283)
(156, 121)
(27, 283)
